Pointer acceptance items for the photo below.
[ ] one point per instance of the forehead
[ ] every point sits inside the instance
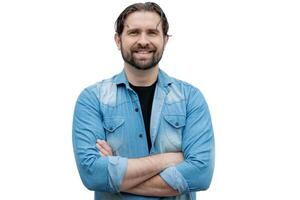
(143, 20)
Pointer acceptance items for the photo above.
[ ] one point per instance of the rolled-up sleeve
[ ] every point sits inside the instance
(195, 173)
(97, 173)
(175, 179)
(116, 169)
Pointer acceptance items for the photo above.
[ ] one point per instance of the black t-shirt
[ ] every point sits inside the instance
(146, 95)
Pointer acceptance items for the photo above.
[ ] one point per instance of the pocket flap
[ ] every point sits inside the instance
(177, 121)
(111, 124)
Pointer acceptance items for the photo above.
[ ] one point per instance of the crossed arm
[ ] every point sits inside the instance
(141, 176)
(148, 176)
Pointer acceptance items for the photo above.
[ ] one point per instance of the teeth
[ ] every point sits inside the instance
(143, 52)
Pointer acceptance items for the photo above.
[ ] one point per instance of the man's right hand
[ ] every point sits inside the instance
(104, 148)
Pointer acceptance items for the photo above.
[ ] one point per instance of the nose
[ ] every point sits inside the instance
(143, 40)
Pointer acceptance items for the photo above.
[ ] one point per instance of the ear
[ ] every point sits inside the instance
(118, 40)
(166, 39)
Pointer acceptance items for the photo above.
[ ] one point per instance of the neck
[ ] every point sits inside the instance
(141, 77)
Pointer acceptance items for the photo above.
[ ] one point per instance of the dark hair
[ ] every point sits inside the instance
(148, 6)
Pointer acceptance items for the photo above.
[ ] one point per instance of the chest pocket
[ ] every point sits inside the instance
(114, 131)
(173, 127)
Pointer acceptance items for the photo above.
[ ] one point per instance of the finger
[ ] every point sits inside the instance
(105, 145)
(101, 142)
(105, 151)
(102, 150)
(98, 146)
(101, 154)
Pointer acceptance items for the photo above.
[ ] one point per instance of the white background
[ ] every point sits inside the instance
(243, 55)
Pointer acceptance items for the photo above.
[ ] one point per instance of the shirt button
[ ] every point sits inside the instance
(177, 124)
(140, 135)
(136, 110)
(110, 128)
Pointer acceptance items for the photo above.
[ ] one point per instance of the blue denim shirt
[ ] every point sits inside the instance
(180, 122)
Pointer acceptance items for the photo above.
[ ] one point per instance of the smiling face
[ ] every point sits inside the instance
(142, 41)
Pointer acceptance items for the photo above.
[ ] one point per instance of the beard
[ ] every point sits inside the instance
(142, 64)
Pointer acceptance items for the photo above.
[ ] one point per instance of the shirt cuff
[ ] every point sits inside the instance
(116, 170)
(175, 179)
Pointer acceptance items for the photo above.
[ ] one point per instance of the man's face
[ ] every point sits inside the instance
(142, 41)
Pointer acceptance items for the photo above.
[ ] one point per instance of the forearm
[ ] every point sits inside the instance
(154, 186)
(140, 170)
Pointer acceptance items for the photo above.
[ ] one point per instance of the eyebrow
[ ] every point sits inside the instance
(152, 29)
(137, 29)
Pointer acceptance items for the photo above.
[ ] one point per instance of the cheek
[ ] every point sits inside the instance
(160, 44)
(127, 45)
(160, 47)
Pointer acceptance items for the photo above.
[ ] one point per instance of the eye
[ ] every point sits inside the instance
(133, 33)
(153, 33)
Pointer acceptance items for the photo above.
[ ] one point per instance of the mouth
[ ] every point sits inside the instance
(143, 52)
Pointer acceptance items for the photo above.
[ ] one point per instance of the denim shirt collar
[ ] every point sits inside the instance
(163, 79)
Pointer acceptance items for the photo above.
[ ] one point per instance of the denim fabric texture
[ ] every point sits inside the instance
(180, 122)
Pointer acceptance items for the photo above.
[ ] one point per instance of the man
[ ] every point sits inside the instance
(142, 134)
